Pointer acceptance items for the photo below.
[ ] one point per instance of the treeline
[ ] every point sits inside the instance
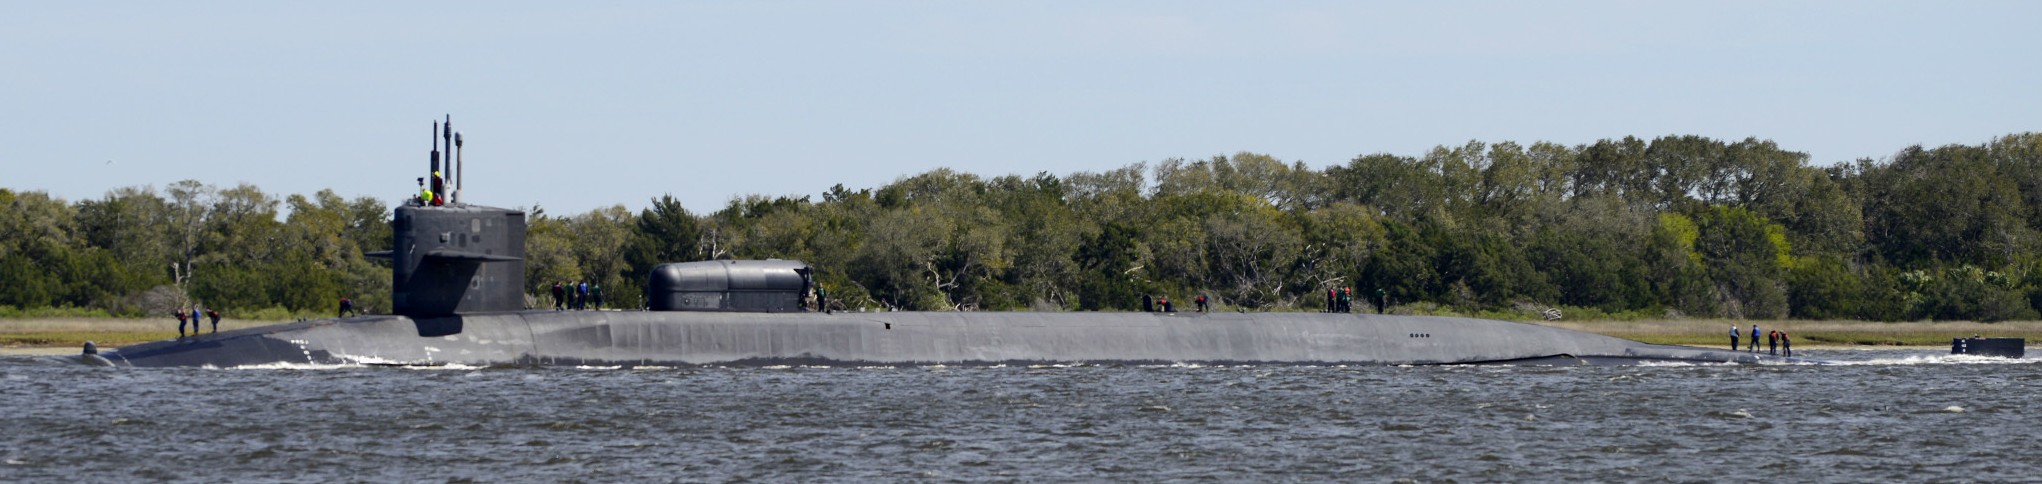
(1678, 225)
(138, 251)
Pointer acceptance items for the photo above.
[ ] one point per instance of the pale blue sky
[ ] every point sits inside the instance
(576, 105)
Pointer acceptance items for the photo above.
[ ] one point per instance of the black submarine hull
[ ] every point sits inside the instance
(641, 338)
(458, 287)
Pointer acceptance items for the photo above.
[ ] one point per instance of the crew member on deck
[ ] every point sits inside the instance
(1733, 337)
(1772, 342)
(1754, 338)
(1786, 345)
(213, 314)
(439, 187)
(180, 323)
(347, 308)
(1148, 304)
(558, 302)
(1201, 302)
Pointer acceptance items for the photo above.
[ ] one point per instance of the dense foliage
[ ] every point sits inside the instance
(1680, 225)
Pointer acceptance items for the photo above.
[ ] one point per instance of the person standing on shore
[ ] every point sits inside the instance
(1754, 338)
(1733, 337)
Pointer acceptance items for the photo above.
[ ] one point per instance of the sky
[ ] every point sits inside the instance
(572, 106)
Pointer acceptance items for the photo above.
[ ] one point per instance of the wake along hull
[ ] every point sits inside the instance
(634, 338)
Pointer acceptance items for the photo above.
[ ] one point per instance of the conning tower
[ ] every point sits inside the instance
(455, 258)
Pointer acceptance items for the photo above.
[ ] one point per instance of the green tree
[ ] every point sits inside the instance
(1746, 257)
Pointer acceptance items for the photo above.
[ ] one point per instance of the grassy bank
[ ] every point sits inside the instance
(115, 332)
(106, 332)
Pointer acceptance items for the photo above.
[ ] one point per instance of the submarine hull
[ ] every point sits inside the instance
(635, 338)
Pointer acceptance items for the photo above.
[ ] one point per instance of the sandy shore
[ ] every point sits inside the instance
(37, 351)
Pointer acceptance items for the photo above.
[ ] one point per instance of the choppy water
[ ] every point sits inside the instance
(1885, 416)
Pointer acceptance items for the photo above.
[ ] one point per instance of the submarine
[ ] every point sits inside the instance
(457, 284)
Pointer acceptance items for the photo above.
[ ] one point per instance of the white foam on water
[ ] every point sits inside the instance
(295, 366)
(1051, 365)
(1682, 364)
(1939, 360)
(352, 362)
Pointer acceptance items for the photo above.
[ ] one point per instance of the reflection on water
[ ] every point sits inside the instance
(1877, 415)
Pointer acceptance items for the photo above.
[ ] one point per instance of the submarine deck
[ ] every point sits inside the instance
(907, 338)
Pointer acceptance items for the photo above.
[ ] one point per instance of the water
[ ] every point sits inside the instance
(1883, 416)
